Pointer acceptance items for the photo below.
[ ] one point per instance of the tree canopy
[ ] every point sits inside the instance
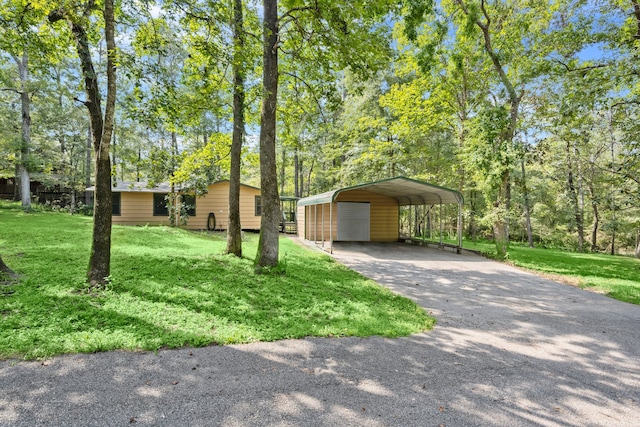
(528, 108)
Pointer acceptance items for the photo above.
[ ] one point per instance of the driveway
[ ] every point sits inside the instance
(509, 349)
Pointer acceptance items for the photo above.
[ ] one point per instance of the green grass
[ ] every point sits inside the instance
(171, 288)
(615, 276)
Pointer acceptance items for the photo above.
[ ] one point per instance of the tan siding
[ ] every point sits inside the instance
(217, 201)
(384, 213)
(300, 216)
(137, 209)
(317, 221)
(384, 217)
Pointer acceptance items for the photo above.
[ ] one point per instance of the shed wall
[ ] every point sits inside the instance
(384, 213)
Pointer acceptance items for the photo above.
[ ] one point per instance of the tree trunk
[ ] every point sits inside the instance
(4, 268)
(114, 155)
(234, 232)
(574, 199)
(471, 230)
(25, 143)
(269, 235)
(100, 258)
(87, 170)
(283, 169)
(527, 213)
(296, 173)
(500, 227)
(637, 251)
(596, 220)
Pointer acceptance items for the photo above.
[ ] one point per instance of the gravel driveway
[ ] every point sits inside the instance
(509, 349)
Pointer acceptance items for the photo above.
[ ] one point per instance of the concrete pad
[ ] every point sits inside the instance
(510, 349)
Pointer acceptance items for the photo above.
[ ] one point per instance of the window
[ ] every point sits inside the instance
(258, 206)
(115, 203)
(160, 204)
(189, 202)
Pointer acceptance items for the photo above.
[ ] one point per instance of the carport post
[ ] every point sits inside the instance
(440, 221)
(331, 227)
(322, 231)
(315, 224)
(410, 228)
(459, 228)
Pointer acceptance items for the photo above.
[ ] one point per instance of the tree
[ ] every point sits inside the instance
(318, 38)
(234, 232)
(101, 129)
(19, 37)
(268, 243)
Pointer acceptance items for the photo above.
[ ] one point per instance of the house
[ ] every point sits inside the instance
(136, 203)
(370, 212)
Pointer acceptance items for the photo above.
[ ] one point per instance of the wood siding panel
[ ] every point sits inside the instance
(315, 223)
(217, 201)
(301, 218)
(137, 209)
(384, 213)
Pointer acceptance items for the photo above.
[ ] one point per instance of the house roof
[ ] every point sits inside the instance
(143, 187)
(137, 187)
(405, 190)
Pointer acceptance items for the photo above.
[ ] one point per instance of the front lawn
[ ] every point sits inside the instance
(171, 288)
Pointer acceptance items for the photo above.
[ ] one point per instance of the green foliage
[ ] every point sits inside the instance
(171, 288)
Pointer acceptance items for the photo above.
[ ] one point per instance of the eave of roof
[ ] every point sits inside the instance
(143, 187)
(405, 190)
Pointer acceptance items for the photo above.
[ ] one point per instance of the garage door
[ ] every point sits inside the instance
(353, 221)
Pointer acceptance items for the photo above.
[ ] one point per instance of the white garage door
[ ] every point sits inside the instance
(353, 221)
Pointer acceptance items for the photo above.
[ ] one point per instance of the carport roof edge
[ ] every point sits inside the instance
(405, 190)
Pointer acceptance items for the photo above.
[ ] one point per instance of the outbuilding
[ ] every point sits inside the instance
(370, 212)
(138, 203)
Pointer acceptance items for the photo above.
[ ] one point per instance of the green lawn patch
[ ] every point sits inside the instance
(171, 288)
(616, 276)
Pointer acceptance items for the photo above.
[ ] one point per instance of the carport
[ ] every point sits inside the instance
(370, 212)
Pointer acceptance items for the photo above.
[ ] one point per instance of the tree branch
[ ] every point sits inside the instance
(586, 68)
(311, 90)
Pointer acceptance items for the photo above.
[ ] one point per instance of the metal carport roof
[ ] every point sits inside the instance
(405, 190)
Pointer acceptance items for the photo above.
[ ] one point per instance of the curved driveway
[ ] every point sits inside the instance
(509, 349)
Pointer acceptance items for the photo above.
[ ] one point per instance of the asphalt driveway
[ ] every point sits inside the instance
(509, 349)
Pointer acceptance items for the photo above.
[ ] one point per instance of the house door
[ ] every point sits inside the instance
(354, 221)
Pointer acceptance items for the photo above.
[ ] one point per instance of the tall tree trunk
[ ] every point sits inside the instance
(637, 251)
(501, 225)
(283, 169)
(573, 195)
(296, 173)
(7, 275)
(101, 130)
(596, 219)
(25, 143)
(268, 244)
(471, 230)
(527, 213)
(87, 167)
(114, 155)
(234, 232)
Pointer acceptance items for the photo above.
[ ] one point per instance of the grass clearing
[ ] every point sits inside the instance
(171, 288)
(616, 276)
